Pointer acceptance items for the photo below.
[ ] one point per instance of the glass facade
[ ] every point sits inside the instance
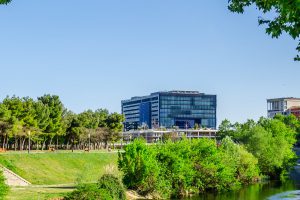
(186, 110)
(141, 112)
(183, 109)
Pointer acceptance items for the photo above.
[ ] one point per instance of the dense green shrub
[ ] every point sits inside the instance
(140, 167)
(113, 185)
(3, 187)
(89, 192)
(186, 166)
(107, 188)
(214, 170)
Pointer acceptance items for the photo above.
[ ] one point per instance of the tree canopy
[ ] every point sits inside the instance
(46, 120)
(269, 140)
(5, 1)
(287, 17)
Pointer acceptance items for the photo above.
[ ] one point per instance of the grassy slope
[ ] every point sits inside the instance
(60, 168)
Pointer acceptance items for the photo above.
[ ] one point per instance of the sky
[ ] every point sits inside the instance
(95, 53)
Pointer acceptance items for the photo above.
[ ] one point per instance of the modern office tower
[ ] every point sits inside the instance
(182, 109)
(284, 106)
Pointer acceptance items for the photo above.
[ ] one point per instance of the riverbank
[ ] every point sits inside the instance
(274, 190)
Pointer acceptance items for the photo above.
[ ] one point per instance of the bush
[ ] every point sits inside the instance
(179, 168)
(88, 192)
(140, 167)
(108, 188)
(3, 187)
(112, 184)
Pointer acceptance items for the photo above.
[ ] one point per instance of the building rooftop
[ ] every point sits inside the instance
(283, 98)
(175, 92)
(186, 92)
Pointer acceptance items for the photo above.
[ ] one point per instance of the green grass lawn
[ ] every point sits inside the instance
(36, 193)
(61, 167)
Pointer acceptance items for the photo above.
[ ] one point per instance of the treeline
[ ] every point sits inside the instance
(45, 123)
(270, 140)
(244, 154)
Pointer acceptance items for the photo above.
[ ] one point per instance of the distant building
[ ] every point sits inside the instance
(153, 136)
(183, 109)
(284, 106)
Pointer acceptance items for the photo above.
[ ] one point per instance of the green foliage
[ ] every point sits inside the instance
(139, 166)
(215, 170)
(113, 185)
(3, 187)
(292, 122)
(269, 140)
(175, 169)
(89, 192)
(247, 170)
(115, 125)
(287, 17)
(55, 108)
(107, 188)
(5, 1)
(46, 119)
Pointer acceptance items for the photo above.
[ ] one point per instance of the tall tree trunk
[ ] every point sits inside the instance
(6, 145)
(20, 143)
(16, 142)
(50, 144)
(56, 145)
(23, 143)
(43, 146)
(3, 142)
(72, 146)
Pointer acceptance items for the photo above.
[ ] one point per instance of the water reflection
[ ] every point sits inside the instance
(292, 195)
(253, 192)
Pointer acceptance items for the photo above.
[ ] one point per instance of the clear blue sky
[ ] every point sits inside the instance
(95, 53)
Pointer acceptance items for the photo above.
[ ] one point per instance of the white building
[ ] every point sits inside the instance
(284, 106)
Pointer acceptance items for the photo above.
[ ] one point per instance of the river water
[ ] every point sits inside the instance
(289, 190)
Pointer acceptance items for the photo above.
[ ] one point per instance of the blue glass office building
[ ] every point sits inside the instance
(183, 109)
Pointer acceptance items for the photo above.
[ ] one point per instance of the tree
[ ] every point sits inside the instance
(74, 131)
(102, 115)
(46, 118)
(140, 167)
(247, 170)
(115, 125)
(287, 16)
(291, 121)
(5, 125)
(5, 1)
(22, 117)
(29, 120)
(269, 140)
(56, 108)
